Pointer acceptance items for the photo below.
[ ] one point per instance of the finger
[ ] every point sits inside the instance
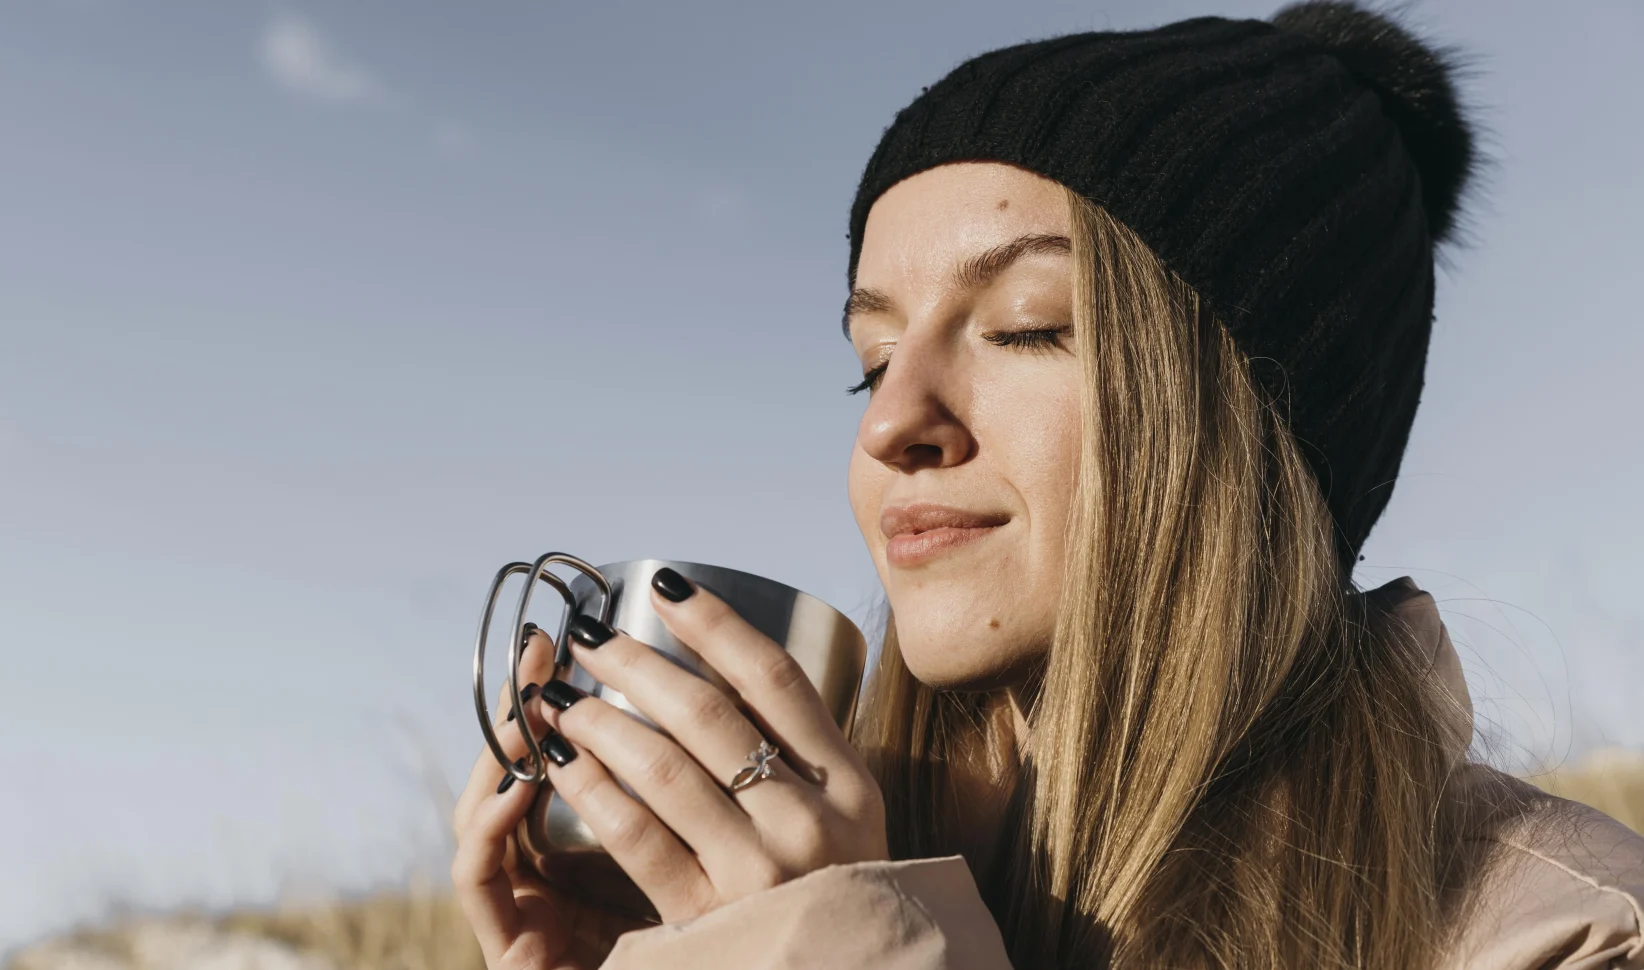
(665, 777)
(488, 776)
(652, 856)
(770, 681)
(698, 715)
(536, 664)
(479, 872)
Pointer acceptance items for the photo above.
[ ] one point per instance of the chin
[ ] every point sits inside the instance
(952, 657)
(969, 625)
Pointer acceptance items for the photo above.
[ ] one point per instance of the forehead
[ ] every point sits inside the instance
(927, 222)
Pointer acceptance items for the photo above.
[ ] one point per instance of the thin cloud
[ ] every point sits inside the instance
(453, 140)
(299, 58)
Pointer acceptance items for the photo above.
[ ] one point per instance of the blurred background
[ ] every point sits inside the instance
(312, 315)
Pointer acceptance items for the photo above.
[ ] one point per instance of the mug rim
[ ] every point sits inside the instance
(623, 564)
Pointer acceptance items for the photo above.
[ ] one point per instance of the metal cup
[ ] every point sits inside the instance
(827, 645)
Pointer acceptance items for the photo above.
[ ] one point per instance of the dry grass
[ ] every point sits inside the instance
(383, 932)
(421, 930)
(387, 931)
(1610, 780)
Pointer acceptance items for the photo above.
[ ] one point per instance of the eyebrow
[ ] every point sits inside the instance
(974, 273)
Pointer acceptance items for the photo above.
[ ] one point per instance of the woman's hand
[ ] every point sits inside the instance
(521, 922)
(692, 845)
(687, 841)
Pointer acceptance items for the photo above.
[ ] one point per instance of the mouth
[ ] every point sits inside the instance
(919, 533)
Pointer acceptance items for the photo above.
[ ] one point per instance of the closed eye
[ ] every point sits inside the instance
(1050, 338)
(870, 380)
(1042, 340)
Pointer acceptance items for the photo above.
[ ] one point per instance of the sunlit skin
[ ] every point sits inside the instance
(977, 411)
(961, 481)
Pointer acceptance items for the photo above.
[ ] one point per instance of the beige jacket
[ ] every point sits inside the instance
(1562, 890)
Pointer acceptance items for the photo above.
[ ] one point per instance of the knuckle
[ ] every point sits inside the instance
(871, 818)
(530, 950)
(706, 707)
(625, 833)
(587, 719)
(578, 718)
(872, 805)
(763, 873)
(858, 799)
(808, 829)
(781, 672)
(619, 658)
(578, 786)
(716, 617)
(663, 770)
(802, 831)
(464, 871)
(703, 898)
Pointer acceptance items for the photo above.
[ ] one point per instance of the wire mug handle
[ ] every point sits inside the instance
(535, 571)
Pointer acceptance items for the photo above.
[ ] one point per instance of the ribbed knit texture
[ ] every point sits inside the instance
(1296, 174)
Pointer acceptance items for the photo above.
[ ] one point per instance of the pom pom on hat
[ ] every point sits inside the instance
(1414, 81)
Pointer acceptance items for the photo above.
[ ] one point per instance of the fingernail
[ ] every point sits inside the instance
(559, 695)
(525, 635)
(525, 695)
(672, 585)
(558, 750)
(507, 781)
(588, 631)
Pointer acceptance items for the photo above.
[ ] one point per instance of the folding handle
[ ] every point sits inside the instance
(537, 571)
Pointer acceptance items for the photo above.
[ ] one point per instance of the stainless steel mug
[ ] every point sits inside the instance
(552, 839)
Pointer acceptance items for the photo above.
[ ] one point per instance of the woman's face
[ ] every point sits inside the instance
(963, 472)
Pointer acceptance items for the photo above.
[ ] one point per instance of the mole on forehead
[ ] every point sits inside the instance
(1004, 204)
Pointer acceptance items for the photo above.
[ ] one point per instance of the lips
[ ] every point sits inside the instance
(920, 533)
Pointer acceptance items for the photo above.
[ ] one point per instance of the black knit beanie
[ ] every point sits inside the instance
(1296, 173)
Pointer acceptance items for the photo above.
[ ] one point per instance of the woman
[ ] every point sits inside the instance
(1143, 319)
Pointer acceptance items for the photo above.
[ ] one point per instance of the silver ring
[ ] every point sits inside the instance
(759, 768)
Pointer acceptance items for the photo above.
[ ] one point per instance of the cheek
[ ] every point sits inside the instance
(1050, 474)
(1034, 431)
(866, 481)
(1035, 434)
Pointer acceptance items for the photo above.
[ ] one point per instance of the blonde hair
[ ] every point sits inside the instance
(1250, 763)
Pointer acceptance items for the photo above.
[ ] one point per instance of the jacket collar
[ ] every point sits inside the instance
(1415, 606)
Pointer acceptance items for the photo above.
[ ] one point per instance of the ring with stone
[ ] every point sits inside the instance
(759, 767)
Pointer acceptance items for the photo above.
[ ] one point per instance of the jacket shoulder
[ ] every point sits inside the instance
(1562, 887)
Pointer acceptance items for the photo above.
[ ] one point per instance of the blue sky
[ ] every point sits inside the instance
(313, 315)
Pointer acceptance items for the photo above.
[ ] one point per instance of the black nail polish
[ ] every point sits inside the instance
(509, 779)
(525, 695)
(559, 695)
(525, 635)
(672, 585)
(558, 750)
(588, 631)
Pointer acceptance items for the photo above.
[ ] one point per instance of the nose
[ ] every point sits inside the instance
(914, 419)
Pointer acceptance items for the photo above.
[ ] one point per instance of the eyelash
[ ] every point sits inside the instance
(869, 381)
(1029, 340)
(1045, 339)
